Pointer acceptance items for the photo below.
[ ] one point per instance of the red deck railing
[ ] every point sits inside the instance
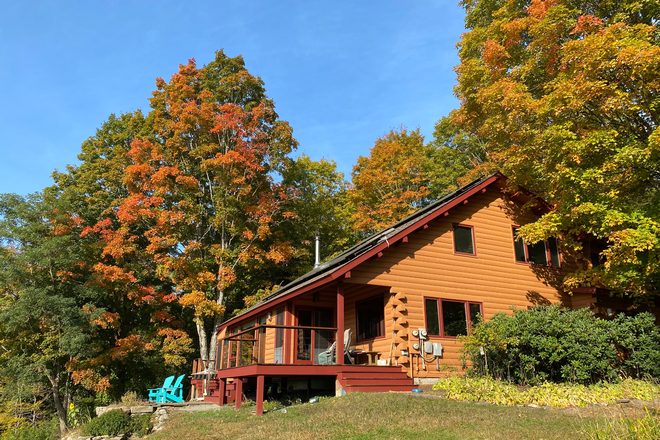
(248, 347)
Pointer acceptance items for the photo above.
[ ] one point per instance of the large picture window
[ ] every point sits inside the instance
(370, 318)
(544, 253)
(450, 318)
(464, 240)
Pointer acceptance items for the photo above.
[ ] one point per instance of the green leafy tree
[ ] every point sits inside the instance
(319, 206)
(564, 95)
(455, 158)
(138, 338)
(320, 203)
(43, 327)
(97, 183)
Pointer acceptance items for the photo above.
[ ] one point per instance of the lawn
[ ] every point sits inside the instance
(382, 416)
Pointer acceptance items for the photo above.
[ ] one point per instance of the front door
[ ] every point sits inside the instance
(310, 343)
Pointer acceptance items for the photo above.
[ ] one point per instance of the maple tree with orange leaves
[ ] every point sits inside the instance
(403, 174)
(202, 203)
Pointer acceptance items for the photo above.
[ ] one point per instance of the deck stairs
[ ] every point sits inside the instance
(373, 379)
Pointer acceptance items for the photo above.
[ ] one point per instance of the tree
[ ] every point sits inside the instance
(319, 201)
(139, 336)
(402, 174)
(97, 183)
(201, 192)
(564, 94)
(42, 324)
(391, 183)
(456, 158)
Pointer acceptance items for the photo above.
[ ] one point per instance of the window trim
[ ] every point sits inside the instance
(441, 323)
(381, 325)
(548, 254)
(453, 239)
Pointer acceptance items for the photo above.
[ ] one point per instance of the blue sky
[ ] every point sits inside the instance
(342, 73)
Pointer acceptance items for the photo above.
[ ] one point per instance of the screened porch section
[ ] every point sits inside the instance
(267, 344)
(309, 330)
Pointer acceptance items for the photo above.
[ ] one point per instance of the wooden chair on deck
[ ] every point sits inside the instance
(328, 357)
(348, 335)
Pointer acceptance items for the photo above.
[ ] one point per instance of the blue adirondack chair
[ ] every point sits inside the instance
(156, 394)
(175, 392)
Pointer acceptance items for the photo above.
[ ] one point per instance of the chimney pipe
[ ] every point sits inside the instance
(317, 259)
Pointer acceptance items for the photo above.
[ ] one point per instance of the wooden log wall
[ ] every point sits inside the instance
(427, 267)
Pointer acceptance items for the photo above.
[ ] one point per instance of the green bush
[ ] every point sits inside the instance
(48, 430)
(118, 422)
(552, 343)
(110, 423)
(141, 425)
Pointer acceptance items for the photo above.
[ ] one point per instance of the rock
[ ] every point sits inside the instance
(101, 410)
(164, 417)
(622, 400)
(142, 409)
(532, 405)
(594, 405)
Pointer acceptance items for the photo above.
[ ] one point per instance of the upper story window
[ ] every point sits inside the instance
(450, 318)
(464, 240)
(544, 253)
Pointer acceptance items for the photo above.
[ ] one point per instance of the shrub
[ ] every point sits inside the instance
(551, 343)
(141, 425)
(48, 430)
(130, 399)
(110, 423)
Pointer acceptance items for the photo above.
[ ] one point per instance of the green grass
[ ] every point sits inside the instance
(379, 416)
(633, 428)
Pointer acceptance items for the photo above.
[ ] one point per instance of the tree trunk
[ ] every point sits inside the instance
(217, 320)
(213, 345)
(57, 399)
(203, 344)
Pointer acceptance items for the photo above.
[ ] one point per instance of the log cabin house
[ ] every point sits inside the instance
(405, 294)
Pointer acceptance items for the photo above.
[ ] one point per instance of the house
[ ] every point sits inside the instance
(406, 294)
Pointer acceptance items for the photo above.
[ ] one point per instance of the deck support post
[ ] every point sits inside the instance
(222, 384)
(260, 395)
(239, 392)
(340, 323)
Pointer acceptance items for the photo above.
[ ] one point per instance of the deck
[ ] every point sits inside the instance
(351, 378)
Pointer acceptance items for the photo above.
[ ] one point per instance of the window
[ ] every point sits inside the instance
(370, 318)
(544, 253)
(279, 337)
(464, 240)
(451, 318)
(312, 342)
